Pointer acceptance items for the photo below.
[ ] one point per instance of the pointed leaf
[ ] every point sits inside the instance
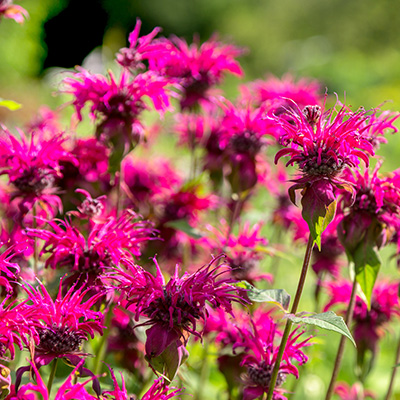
(327, 320)
(279, 297)
(367, 264)
(183, 226)
(10, 104)
(319, 208)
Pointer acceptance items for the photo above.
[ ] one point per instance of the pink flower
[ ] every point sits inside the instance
(147, 181)
(141, 49)
(117, 105)
(67, 391)
(158, 390)
(196, 68)
(368, 325)
(243, 250)
(376, 204)
(8, 269)
(261, 354)
(32, 166)
(12, 11)
(322, 144)
(106, 244)
(378, 125)
(65, 323)
(173, 308)
(355, 392)
(18, 322)
(304, 92)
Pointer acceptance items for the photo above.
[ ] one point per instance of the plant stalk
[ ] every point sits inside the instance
(339, 354)
(394, 371)
(296, 301)
(52, 375)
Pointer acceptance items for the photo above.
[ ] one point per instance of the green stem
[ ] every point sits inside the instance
(296, 301)
(101, 351)
(203, 372)
(339, 354)
(52, 375)
(394, 371)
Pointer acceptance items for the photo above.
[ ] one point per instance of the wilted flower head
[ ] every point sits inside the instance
(173, 308)
(12, 11)
(33, 165)
(117, 105)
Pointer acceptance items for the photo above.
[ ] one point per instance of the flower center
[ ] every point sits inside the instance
(59, 340)
(91, 207)
(246, 143)
(365, 201)
(34, 181)
(327, 166)
(261, 374)
(183, 313)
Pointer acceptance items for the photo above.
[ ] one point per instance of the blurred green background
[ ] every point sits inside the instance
(351, 47)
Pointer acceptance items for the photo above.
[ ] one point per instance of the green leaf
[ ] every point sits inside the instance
(319, 207)
(10, 104)
(183, 226)
(327, 320)
(367, 264)
(279, 297)
(169, 361)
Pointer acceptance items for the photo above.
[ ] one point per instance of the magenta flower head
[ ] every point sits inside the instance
(374, 213)
(145, 181)
(355, 392)
(141, 49)
(33, 165)
(197, 68)
(8, 269)
(18, 322)
(116, 105)
(12, 11)
(69, 390)
(261, 356)
(244, 250)
(106, 244)
(322, 144)
(173, 308)
(243, 135)
(304, 92)
(368, 323)
(65, 323)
